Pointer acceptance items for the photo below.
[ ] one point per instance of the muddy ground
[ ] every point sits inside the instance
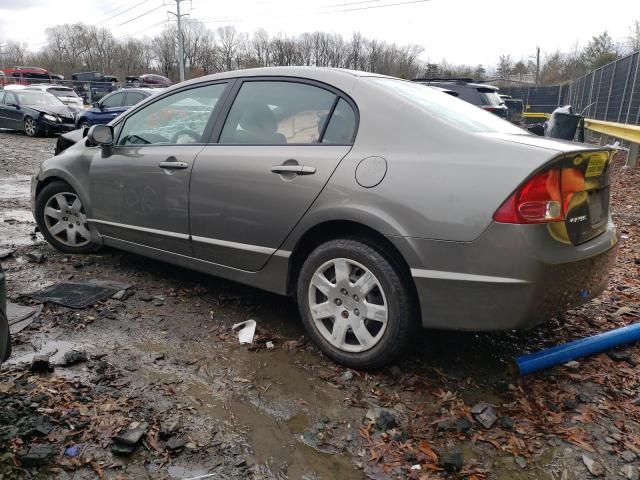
(162, 361)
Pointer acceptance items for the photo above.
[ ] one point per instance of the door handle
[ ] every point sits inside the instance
(297, 169)
(173, 164)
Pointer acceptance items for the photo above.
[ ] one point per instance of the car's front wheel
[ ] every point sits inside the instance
(62, 219)
(31, 127)
(356, 303)
(84, 124)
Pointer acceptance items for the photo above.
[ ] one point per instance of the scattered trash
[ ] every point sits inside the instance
(20, 316)
(35, 256)
(560, 354)
(127, 440)
(41, 364)
(6, 252)
(38, 456)
(73, 357)
(73, 294)
(270, 345)
(595, 468)
(175, 444)
(452, 460)
(246, 332)
(485, 414)
(72, 451)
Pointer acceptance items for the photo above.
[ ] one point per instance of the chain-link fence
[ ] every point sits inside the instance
(610, 93)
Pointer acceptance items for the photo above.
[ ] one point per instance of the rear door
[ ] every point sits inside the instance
(10, 112)
(276, 151)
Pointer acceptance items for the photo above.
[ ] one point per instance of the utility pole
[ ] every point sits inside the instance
(537, 65)
(180, 46)
(1, 57)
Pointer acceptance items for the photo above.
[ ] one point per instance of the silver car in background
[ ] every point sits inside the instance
(379, 204)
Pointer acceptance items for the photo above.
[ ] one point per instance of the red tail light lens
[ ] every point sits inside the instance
(543, 198)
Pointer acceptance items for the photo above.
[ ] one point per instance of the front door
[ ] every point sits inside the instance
(139, 190)
(276, 151)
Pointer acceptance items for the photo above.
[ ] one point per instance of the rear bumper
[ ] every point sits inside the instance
(512, 277)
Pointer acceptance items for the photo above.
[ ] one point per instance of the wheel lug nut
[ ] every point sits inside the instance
(338, 301)
(344, 291)
(355, 297)
(345, 314)
(356, 312)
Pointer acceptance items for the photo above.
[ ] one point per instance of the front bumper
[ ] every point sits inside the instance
(58, 127)
(512, 277)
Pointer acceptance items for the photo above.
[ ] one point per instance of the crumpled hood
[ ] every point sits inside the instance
(62, 110)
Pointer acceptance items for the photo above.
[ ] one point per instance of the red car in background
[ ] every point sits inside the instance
(27, 75)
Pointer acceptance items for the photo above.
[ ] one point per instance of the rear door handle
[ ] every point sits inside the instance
(298, 169)
(173, 164)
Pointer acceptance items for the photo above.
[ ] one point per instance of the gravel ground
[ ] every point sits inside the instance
(162, 361)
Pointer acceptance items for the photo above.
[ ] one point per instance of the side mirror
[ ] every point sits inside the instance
(101, 135)
(96, 105)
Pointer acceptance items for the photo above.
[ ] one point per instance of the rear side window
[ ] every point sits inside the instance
(62, 92)
(133, 98)
(342, 125)
(113, 101)
(446, 108)
(489, 97)
(276, 113)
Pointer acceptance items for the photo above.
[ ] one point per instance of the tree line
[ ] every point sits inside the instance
(77, 47)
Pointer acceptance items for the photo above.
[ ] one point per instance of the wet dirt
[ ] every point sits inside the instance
(287, 412)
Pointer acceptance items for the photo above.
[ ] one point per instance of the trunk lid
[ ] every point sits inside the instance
(586, 208)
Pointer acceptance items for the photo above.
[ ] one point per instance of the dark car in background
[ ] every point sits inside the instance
(515, 106)
(147, 80)
(112, 105)
(5, 337)
(35, 113)
(478, 94)
(92, 86)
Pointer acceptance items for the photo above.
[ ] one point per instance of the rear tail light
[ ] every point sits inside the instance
(543, 198)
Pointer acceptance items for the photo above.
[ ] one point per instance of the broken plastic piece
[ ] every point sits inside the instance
(247, 331)
(560, 354)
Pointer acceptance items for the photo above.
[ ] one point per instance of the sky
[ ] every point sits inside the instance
(460, 31)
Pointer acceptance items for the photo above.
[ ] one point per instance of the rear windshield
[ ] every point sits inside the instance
(489, 97)
(62, 92)
(445, 107)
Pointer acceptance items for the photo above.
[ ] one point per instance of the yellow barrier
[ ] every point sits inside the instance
(535, 115)
(630, 133)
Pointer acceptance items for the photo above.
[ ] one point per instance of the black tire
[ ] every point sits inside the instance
(43, 197)
(84, 125)
(7, 347)
(402, 321)
(31, 127)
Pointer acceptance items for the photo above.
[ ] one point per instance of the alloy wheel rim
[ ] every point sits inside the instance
(30, 126)
(348, 305)
(66, 221)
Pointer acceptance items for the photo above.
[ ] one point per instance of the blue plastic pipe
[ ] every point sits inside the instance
(560, 354)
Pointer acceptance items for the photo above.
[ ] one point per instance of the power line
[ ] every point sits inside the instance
(139, 16)
(122, 13)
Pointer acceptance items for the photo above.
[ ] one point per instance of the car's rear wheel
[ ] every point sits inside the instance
(62, 219)
(31, 127)
(356, 303)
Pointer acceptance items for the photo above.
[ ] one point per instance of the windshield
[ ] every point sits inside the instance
(456, 112)
(62, 92)
(38, 99)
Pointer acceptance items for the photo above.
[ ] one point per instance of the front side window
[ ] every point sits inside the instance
(113, 101)
(180, 118)
(277, 113)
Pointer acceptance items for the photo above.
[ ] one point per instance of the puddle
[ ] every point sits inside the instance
(181, 473)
